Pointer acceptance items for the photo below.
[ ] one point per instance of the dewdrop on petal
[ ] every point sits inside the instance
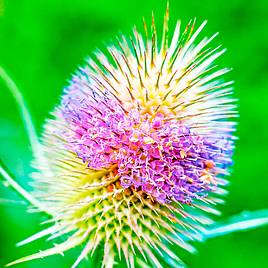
(135, 156)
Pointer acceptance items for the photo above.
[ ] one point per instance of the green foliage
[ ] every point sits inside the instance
(42, 42)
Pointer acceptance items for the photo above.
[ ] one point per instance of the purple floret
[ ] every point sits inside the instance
(159, 156)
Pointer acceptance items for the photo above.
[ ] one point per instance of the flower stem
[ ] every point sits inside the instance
(24, 112)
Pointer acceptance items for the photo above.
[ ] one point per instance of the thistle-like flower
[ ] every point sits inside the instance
(136, 153)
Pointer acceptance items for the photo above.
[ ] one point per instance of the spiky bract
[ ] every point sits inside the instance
(137, 149)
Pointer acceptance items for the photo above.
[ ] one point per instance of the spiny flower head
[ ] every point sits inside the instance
(137, 151)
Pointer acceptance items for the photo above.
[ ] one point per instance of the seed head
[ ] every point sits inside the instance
(136, 153)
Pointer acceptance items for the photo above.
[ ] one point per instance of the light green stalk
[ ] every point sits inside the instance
(24, 112)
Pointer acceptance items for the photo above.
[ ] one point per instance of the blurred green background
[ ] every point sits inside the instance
(42, 43)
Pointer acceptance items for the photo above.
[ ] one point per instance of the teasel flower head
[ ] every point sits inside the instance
(136, 154)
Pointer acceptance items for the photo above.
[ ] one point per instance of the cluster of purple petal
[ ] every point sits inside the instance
(161, 157)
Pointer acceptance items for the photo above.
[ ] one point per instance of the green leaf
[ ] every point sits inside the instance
(245, 221)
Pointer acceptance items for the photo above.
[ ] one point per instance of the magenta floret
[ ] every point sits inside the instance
(159, 156)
